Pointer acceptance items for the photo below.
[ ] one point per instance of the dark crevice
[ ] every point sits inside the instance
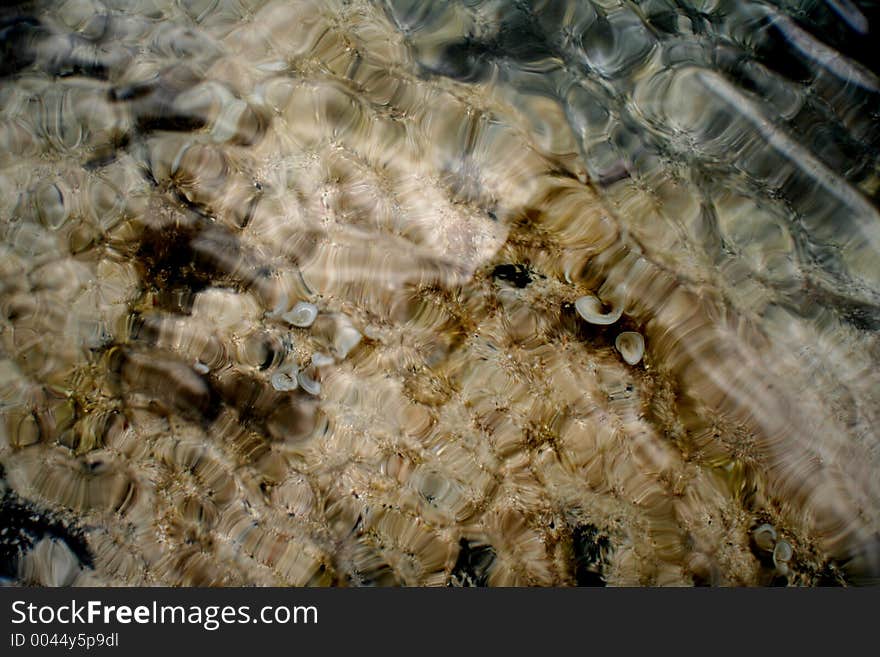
(514, 274)
(591, 549)
(473, 564)
(22, 525)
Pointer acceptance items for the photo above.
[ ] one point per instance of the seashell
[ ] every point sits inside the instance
(765, 537)
(782, 554)
(346, 340)
(591, 309)
(308, 384)
(347, 337)
(285, 380)
(302, 314)
(631, 346)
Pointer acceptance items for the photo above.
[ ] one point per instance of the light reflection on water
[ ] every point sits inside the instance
(478, 199)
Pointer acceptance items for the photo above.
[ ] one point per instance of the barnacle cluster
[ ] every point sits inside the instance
(327, 292)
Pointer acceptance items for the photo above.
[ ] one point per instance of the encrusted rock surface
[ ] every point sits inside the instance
(442, 181)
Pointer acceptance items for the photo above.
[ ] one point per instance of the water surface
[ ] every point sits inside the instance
(293, 292)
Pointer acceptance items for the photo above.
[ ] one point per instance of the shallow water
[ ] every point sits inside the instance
(295, 292)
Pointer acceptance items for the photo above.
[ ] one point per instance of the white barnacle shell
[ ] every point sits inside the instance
(347, 338)
(285, 380)
(303, 314)
(765, 537)
(591, 309)
(308, 384)
(631, 346)
(782, 554)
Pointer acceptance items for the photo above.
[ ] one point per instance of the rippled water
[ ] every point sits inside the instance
(333, 293)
